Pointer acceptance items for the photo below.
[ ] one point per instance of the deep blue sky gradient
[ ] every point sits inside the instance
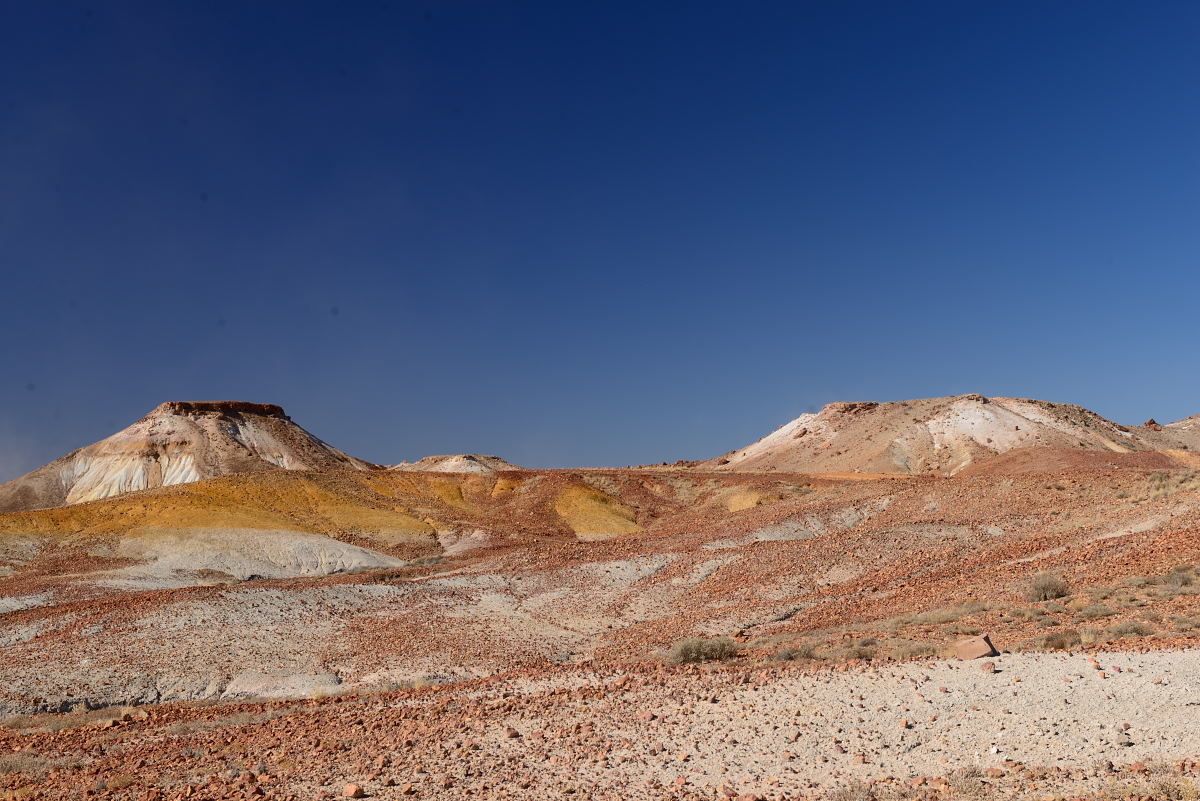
(591, 234)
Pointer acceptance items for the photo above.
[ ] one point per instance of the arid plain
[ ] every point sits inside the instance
(214, 603)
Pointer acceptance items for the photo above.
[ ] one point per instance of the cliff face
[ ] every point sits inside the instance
(176, 443)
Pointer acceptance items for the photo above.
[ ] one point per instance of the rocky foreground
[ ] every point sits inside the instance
(1111, 725)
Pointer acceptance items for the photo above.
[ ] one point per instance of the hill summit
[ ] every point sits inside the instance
(176, 443)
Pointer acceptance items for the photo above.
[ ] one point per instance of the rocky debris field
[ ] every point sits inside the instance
(268, 583)
(275, 634)
(1110, 725)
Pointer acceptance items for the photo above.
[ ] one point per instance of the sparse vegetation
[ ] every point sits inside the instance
(701, 649)
(854, 791)
(967, 782)
(1180, 576)
(1095, 611)
(793, 652)
(1047, 587)
(31, 763)
(939, 616)
(79, 717)
(1029, 614)
(1061, 640)
(233, 720)
(1164, 789)
(936, 617)
(1162, 483)
(863, 652)
(915, 650)
(1174, 789)
(1130, 628)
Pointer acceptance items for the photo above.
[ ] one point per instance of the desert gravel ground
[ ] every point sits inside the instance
(1042, 725)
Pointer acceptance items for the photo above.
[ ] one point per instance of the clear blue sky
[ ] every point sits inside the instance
(589, 234)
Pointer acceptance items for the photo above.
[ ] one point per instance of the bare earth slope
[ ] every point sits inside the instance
(176, 443)
(504, 634)
(551, 640)
(458, 463)
(360, 578)
(941, 436)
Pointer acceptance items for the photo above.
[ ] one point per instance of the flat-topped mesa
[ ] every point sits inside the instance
(943, 436)
(176, 443)
(219, 407)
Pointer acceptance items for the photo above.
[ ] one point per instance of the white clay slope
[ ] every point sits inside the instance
(942, 436)
(457, 463)
(177, 443)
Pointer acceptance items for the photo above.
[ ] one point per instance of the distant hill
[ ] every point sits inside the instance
(176, 443)
(942, 436)
(458, 463)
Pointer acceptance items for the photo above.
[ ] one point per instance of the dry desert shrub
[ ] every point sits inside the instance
(1162, 484)
(428, 680)
(1029, 614)
(937, 616)
(1180, 576)
(802, 650)
(32, 763)
(1175, 790)
(1130, 628)
(1061, 640)
(967, 782)
(19, 722)
(1130, 602)
(79, 717)
(863, 652)
(1095, 611)
(701, 649)
(1167, 789)
(1047, 587)
(855, 791)
(912, 650)
(27, 762)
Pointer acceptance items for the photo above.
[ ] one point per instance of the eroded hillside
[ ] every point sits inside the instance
(276, 583)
